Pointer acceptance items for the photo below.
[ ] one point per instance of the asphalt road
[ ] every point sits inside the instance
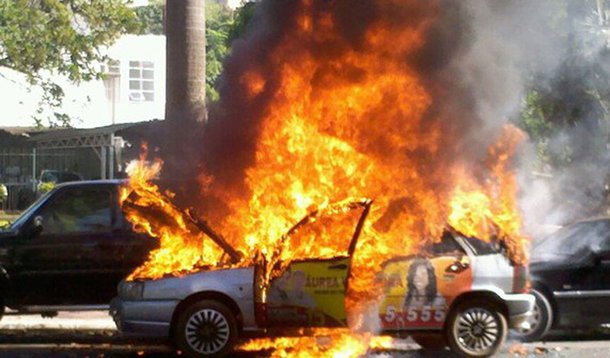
(93, 334)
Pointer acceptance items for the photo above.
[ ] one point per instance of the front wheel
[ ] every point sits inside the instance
(206, 329)
(476, 328)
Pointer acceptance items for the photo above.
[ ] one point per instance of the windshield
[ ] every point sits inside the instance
(573, 239)
(27, 212)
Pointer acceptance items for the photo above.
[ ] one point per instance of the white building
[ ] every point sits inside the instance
(133, 91)
(135, 85)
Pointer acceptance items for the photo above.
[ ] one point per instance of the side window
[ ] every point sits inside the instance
(78, 211)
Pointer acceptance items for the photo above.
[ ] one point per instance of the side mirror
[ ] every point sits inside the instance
(36, 228)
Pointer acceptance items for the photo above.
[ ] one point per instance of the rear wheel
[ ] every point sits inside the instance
(539, 322)
(476, 328)
(206, 329)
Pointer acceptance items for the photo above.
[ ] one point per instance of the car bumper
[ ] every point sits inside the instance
(520, 307)
(143, 318)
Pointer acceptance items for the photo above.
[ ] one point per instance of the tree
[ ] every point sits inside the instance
(185, 71)
(150, 18)
(219, 24)
(568, 116)
(40, 38)
(223, 26)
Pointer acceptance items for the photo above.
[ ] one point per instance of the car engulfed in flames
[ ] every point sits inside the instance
(319, 114)
(459, 291)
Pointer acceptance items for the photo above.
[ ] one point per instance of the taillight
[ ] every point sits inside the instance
(520, 279)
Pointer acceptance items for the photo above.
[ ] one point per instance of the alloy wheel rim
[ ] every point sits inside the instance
(533, 320)
(207, 331)
(477, 330)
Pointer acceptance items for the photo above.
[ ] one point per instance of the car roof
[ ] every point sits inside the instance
(92, 182)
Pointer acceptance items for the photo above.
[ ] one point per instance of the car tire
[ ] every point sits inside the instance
(476, 328)
(206, 328)
(540, 321)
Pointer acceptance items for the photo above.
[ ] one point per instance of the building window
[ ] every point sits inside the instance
(141, 81)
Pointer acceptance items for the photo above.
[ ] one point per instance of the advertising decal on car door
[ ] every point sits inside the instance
(309, 294)
(419, 290)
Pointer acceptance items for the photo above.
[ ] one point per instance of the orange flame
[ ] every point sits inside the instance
(320, 342)
(182, 248)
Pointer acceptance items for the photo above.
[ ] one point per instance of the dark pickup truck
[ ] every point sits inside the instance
(69, 250)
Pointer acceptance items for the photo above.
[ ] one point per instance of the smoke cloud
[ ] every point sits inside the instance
(477, 61)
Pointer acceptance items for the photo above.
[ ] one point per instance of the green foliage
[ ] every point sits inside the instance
(222, 27)
(559, 111)
(43, 37)
(219, 21)
(150, 19)
(46, 187)
(573, 104)
(241, 19)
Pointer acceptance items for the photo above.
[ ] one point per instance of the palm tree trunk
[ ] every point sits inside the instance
(185, 93)
(185, 69)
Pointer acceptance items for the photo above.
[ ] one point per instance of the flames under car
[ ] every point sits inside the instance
(460, 292)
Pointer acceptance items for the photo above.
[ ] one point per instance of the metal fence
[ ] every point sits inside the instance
(20, 196)
(19, 170)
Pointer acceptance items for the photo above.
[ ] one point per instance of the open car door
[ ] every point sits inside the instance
(309, 283)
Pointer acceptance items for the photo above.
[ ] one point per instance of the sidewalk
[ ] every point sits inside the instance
(90, 320)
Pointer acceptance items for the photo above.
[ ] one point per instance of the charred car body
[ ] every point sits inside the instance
(69, 250)
(570, 278)
(465, 292)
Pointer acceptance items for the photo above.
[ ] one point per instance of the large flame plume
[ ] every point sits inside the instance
(340, 115)
(355, 122)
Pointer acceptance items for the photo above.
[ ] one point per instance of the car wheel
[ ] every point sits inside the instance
(206, 329)
(476, 329)
(539, 322)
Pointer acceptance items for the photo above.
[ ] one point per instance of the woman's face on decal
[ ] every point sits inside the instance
(421, 279)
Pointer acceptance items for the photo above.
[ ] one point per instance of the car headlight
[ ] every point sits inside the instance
(131, 290)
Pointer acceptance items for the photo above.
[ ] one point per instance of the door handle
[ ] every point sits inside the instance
(338, 267)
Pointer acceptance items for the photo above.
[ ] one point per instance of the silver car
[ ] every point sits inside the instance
(462, 292)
